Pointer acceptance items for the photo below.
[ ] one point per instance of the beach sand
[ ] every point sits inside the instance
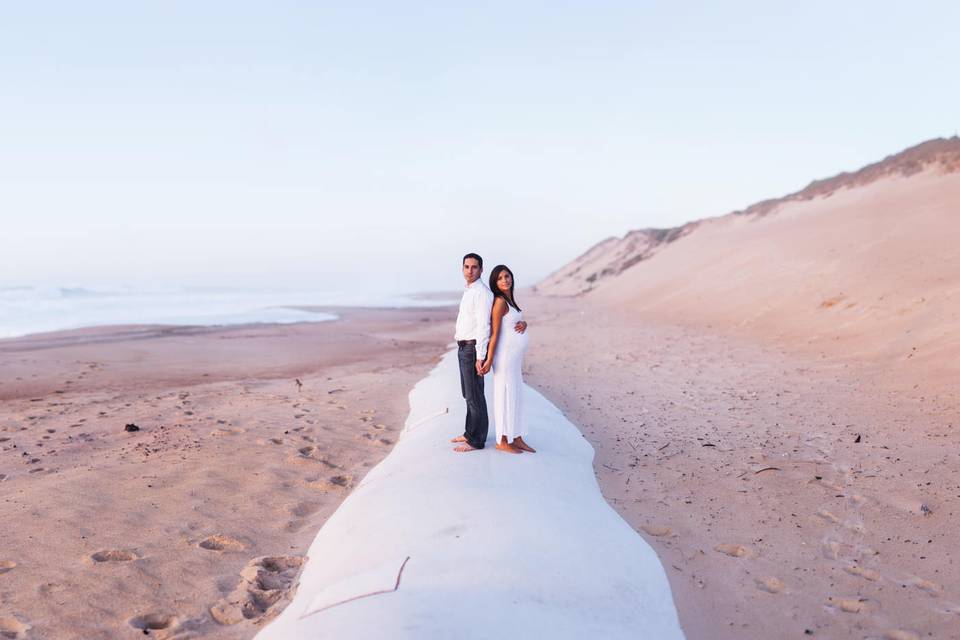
(772, 397)
(788, 489)
(196, 524)
(789, 492)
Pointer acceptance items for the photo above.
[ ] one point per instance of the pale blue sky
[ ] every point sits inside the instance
(372, 144)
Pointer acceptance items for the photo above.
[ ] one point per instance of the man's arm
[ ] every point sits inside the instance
(482, 307)
(496, 316)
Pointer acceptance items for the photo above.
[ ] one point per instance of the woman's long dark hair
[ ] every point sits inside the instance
(494, 276)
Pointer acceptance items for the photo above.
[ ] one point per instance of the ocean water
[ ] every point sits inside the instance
(30, 309)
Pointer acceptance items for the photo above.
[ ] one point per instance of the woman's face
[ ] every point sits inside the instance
(504, 281)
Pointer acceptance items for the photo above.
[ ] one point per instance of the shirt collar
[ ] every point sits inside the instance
(472, 284)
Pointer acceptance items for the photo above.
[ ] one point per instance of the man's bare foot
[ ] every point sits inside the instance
(464, 448)
(459, 439)
(509, 448)
(520, 444)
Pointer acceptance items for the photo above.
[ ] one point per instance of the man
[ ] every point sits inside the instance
(473, 336)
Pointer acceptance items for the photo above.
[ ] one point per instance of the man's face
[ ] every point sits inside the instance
(471, 270)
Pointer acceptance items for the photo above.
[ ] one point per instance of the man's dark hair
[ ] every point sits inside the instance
(475, 257)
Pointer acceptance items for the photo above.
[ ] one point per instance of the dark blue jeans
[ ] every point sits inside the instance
(471, 385)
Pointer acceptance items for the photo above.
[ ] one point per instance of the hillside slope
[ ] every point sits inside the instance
(610, 258)
(867, 263)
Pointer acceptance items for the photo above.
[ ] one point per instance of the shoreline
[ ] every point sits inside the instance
(131, 330)
(205, 354)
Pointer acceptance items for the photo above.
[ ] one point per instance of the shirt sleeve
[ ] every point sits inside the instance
(483, 307)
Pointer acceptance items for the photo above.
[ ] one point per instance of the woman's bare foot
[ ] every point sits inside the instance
(459, 439)
(520, 444)
(503, 445)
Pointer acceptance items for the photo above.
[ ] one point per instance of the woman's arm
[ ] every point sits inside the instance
(496, 320)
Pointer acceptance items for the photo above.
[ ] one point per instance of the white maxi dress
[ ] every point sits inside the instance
(508, 378)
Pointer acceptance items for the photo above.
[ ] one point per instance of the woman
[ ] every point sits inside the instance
(508, 343)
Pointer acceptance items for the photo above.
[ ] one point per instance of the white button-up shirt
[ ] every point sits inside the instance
(473, 320)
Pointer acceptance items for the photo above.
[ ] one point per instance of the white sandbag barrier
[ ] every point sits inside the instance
(437, 544)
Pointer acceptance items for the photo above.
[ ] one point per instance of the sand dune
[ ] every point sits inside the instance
(864, 264)
(771, 397)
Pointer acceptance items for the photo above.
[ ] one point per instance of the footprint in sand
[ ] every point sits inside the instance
(732, 549)
(849, 605)
(114, 555)
(830, 550)
(854, 525)
(829, 517)
(220, 542)
(332, 483)
(227, 432)
(7, 565)
(304, 509)
(152, 622)
(263, 582)
(770, 584)
(657, 531)
(868, 574)
(834, 487)
(12, 628)
(900, 634)
(932, 588)
(309, 452)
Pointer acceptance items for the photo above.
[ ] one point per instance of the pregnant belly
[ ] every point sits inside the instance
(517, 341)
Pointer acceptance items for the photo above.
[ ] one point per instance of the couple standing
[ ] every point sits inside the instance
(491, 335)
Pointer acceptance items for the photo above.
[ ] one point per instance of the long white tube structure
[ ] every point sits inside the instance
(437, 544)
